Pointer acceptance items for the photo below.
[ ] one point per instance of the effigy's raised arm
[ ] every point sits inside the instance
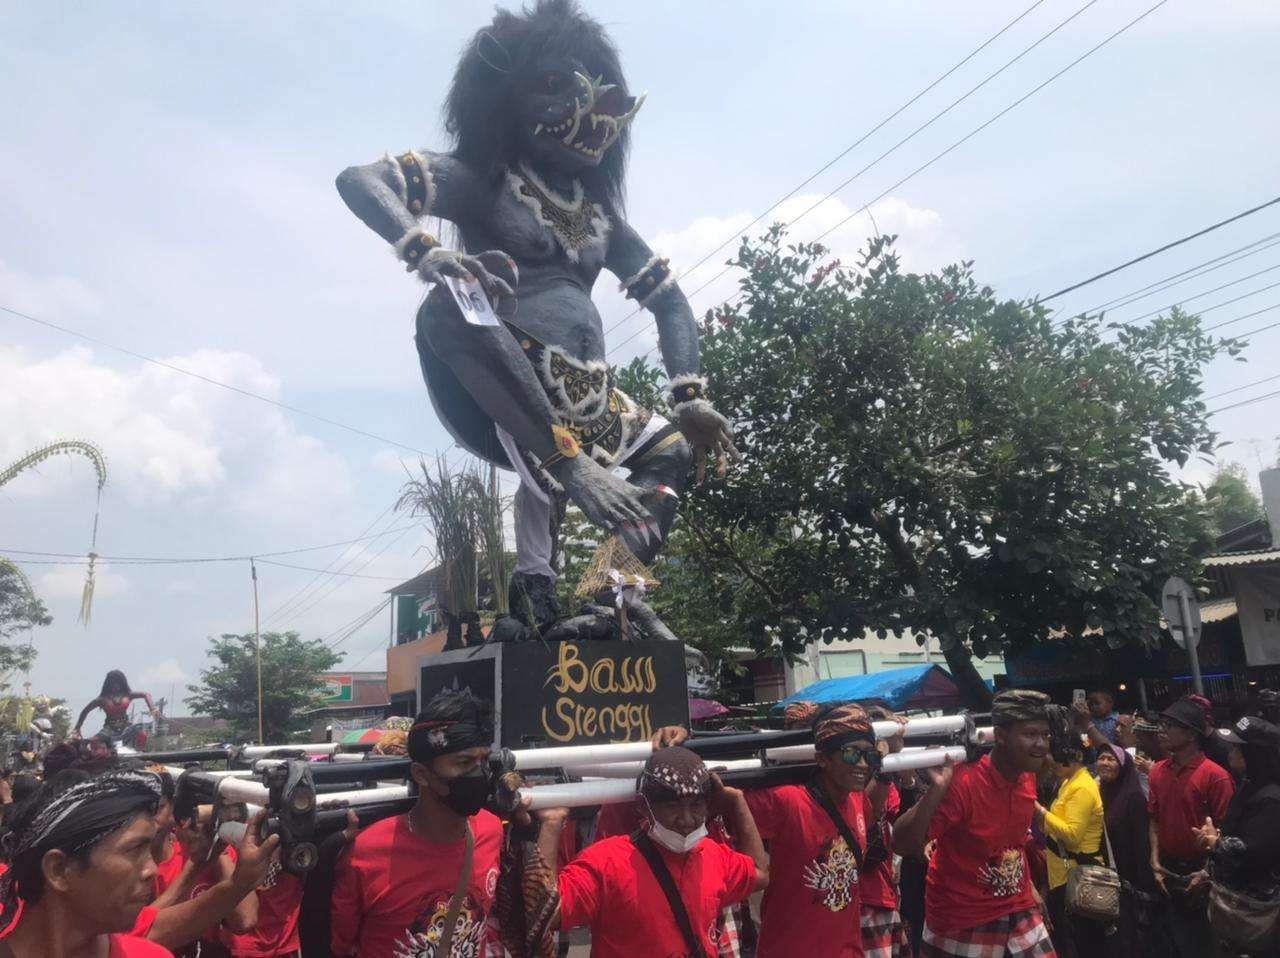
(650, 281)
(394, 194)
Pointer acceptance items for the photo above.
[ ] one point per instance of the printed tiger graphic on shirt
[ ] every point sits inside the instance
(833, 875)
(421, 938)
(1002, 874)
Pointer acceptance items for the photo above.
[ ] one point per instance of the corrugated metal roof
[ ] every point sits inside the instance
(1251, 557)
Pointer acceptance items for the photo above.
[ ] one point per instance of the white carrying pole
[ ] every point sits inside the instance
(362, 796)
(243, 790)
(308, 748)
(571, 756)
(632, 769)
(613, 791)
(924, 758)
(938, 725)
(575, 756)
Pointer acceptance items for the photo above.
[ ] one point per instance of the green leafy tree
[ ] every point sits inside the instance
(20, 612)
(291, 670)
(1230, 499)
(919, 455)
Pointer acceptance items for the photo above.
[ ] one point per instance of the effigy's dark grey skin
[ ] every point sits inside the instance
(540, 113)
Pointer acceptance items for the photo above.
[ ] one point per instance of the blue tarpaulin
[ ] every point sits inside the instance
(912, 687)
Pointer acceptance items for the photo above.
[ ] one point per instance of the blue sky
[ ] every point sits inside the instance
(166, 185)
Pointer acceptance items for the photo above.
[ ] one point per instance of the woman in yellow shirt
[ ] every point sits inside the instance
(1073, 829)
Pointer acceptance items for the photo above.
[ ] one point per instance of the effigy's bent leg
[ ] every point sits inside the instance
(492, 368)
(662, 472)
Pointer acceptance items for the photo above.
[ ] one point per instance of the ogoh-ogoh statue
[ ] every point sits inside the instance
(539, 113)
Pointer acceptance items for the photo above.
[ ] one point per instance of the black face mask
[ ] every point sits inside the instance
(468, 793)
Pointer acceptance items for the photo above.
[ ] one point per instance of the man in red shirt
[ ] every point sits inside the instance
(393, 886)
(979, 902)
(1185, 789)
(813, 906)
(81, 868)
(616, 886)
(883, 934)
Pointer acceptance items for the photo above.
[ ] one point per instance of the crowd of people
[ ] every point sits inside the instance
(1081, 832)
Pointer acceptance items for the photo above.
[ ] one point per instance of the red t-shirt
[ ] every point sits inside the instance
(127, 946)
(167, 872)
(612, 888)
(811, 907)
(1182, 796)
(878, 887)
(391, 889)
(979, 868)
(142, 924)
(276, 933)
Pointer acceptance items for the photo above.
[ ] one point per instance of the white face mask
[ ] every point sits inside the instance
(671, 840)
(674, 841)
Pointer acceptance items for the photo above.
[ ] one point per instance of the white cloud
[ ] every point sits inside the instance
(67, 582)
(46, 297)
(166, 435)
(389, 462)
(163, 673)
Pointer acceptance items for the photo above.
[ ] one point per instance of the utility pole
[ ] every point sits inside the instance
(257, 645)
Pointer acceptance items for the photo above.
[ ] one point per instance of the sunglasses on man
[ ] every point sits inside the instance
(853, 754)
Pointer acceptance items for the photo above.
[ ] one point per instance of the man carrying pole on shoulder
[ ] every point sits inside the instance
(979, 901)
(817, 836)
(660, 890)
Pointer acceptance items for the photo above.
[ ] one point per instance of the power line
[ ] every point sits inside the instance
(1167, 246)
(186, 560)
(968, 136)
(1256, 382)
(360, 622)
(338, 583)
(839, 156)
(221, 385)
(296, 596)
(937, 116)
(1229, 322)
(1161, 285)
(1243, 402)
(1254, 332)
(345, 575)
(1234, 282)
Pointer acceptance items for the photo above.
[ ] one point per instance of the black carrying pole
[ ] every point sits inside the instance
(370, 770)
(330, 820)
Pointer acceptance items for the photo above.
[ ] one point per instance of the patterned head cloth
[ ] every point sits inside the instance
(799, 715)
(452, 721)
(674, 773)
(842, 725)
(71, 819)
(1019, 705)
(392, 743)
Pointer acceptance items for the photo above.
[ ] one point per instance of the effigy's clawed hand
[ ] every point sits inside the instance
(441, 262)
(607, 500)
(710, 435)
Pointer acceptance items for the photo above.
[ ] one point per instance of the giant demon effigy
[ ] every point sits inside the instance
(511, 347)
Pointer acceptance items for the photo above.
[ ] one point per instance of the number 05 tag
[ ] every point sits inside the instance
(471, 299)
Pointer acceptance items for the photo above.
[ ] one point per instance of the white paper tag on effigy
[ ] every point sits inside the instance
(471, 299)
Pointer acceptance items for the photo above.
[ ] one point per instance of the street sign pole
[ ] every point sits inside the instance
(1182, 612)
(1193, 655)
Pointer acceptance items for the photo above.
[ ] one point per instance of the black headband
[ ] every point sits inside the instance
(74, 819)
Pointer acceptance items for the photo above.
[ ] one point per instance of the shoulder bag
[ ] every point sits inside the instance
(444, 946)
(824, 801)
(644, 844)
(1093, 891)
